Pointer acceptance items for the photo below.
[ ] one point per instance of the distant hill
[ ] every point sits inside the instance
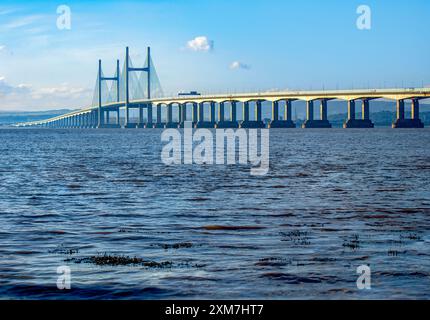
(11, 117)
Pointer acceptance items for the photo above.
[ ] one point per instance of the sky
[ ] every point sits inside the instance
(212, 46)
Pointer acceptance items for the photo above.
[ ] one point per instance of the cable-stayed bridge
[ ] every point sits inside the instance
(138, 88)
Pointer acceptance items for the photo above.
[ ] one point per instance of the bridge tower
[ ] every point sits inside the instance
(129, 69)
(100, 113)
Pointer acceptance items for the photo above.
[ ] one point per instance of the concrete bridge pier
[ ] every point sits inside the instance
(100, 118)
(414, 122)
(258, 122)
(109, 123)
(222, 123)
(287, 122)
(206, 124)
(169, 122)
(85, 122)
(82, 124)
(195, 114)
(310, 121)
(107, 118)
(94, 119)
(159, 123)
(127, 123)
(140, 123)
(364, 122)
(182, 115)
(149, 121)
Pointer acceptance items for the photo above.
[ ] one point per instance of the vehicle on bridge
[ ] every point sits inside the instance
(191, 93)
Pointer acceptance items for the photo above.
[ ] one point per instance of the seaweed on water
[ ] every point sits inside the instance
(272, 262)
(353, 243)
(177, 245)
(114, 260)
(61, 249)
(411, 236)
(297, 237)
(231, 228)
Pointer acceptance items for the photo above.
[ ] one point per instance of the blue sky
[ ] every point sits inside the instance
(257, 45)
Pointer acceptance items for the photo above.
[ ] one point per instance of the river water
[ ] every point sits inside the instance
(332, 201)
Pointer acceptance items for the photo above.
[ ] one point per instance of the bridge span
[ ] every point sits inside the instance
(221, 110)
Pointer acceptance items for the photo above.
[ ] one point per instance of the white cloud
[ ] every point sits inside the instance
(7, 89)
(25, 97)
(2, 48)
(201, 43)
(22, 22)
(239, 65)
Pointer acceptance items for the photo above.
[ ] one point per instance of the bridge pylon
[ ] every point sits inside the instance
(100, 115)
(129, 69)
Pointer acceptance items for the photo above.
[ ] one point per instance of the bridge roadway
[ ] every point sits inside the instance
(88, 117)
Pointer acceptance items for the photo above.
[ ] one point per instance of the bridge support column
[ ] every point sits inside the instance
(414, 122)
(287, 122)
(195, 112)
(101, 117)
(233, 114)
(212, 111)
(140, 123)
(94, 118)
(159, 123)
(222, 123)
(201, 116)
(87, 120)
(182, 115)
(150, 122)
(316, 124)
(310, 121)
(206, 124)
(170, 123)
(127, 123)
(257, 123)
(106, 119)
(364, 122)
